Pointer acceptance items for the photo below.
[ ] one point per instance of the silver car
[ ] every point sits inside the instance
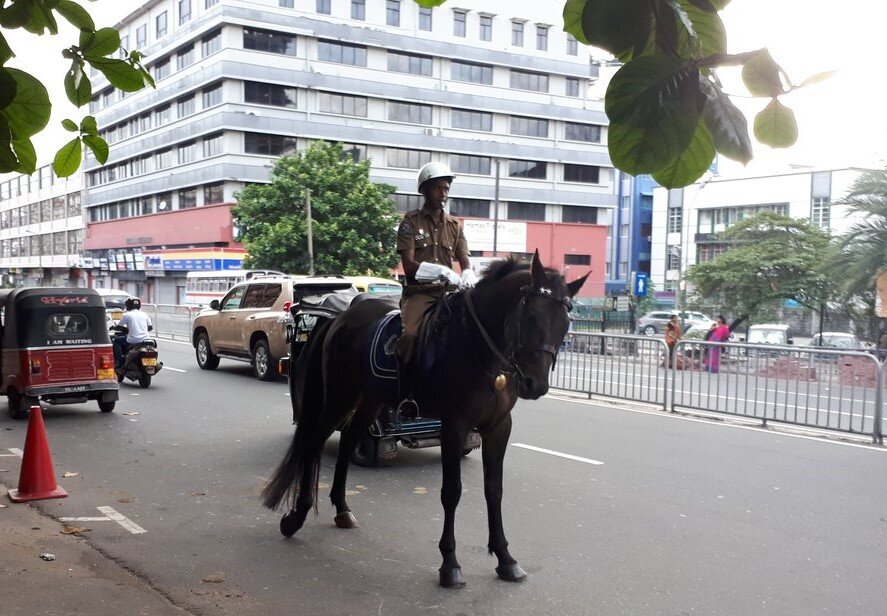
(654, 323)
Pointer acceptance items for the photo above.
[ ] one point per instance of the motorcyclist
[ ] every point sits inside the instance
(135, 324)
(428, 240)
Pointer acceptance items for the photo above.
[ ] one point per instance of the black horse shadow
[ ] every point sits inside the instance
(500, 345)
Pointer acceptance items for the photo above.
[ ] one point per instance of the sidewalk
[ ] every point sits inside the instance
(79, 581)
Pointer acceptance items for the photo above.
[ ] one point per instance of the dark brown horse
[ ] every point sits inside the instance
(501, 342)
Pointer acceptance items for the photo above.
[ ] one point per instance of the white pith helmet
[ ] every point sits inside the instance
(430, 171)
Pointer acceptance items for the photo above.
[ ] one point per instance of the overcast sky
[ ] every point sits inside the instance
(841, 120)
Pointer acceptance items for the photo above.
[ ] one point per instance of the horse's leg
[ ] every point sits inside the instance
(364, 415)
(452, 441)
(495, 442)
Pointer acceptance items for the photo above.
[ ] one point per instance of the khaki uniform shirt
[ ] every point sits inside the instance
(432, 241)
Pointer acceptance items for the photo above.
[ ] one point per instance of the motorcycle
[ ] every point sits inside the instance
(140, 361)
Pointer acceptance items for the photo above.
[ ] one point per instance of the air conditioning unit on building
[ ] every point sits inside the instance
(430, 132)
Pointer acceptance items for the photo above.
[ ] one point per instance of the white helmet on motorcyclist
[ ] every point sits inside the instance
(431, 171)
(132, 303)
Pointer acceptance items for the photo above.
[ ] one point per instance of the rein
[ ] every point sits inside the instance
(492, 345)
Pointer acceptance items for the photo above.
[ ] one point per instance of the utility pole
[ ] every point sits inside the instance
(310, 233)
(496, 212)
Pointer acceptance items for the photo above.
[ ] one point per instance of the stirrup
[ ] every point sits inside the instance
(407, 409)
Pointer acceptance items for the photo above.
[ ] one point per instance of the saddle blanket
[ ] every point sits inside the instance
(383, 361)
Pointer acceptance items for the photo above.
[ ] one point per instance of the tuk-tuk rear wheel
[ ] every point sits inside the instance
(19, 405)
(107, 407)
(366, 453)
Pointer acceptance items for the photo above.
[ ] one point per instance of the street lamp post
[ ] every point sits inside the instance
(496, 212)
(310, 232)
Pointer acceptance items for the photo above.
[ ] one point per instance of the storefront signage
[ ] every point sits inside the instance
(510, 237)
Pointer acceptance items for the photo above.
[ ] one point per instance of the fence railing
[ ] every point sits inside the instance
(812, 387)
(171, 321)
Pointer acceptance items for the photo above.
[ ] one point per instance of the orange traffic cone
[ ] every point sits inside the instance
(37, 478)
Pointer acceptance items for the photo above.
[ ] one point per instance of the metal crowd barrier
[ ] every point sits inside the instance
(818, 388)
(171, 321)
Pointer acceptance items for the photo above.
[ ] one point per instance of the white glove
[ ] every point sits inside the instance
(435, 272)
(469, 279)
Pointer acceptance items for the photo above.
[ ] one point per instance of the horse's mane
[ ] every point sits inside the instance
(497, 270)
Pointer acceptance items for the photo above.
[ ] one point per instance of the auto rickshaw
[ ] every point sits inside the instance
(55, 348)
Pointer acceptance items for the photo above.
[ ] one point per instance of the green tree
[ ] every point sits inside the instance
(668, 112)
(769, 258)
(24, 102)
(353, 219)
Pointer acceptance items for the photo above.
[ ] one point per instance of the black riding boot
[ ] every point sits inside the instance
(408, 408)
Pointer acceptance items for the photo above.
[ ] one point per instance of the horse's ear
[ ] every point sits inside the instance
(539, 278)
(573, 287)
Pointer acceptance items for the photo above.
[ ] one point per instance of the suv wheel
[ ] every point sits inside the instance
(649, 330)
(206, 359)
(264, 364)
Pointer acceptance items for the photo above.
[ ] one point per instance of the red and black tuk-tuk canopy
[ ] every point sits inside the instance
(52, 317)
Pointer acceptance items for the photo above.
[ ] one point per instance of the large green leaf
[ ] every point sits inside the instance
(5, 50)
(16, 15)
(429, 4)
(98, 146)
(650, 149)
(29, 111)
(120, 73)
(726, 123)
(41, 19)
(692, 162)
(8, 160)
(7, 88)
(776, 126)
(618, 26)
(708, 29)
(27, 155)
(88, 126)
(77, 84)
(650, 89)
(761, 75)
(67, 159)
(76, 15)
(573, 10)
(99, 43)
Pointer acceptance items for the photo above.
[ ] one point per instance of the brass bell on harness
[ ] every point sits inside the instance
(500, 382)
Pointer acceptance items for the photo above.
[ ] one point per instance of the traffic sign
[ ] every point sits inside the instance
(641, 284)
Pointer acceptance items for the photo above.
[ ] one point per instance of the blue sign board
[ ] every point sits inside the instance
(641, 284)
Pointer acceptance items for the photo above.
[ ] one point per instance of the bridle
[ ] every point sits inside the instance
(515, 346)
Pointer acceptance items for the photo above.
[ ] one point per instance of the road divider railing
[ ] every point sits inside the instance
(813, 387)
(171, 321)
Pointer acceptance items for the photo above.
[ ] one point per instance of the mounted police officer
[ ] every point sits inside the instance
(428, 241)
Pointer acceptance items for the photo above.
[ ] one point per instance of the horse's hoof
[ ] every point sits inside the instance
(452, 578)
(346, 519)
(511, 573)
(290, 523)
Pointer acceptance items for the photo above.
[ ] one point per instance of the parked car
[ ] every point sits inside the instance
(836, 340)
(768, 334)
(653, 323)
(114, 302)
(250, 322)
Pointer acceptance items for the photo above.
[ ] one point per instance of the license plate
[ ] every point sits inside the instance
(106, 373)
(116, 315)
(149, 361)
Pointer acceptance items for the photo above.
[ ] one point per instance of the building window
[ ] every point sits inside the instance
(341, 53)
(162, 115)
(323, 7)
(187, 152)
(477, 165)
(409, 112)
(474, 208)
(526, 211)
(473, 73)
(358, 9)
(265, 40)
(185, 57)
(187, 198)
(184, 11)
(459, 19)
(486, 28)
(142, 36)
(425, 19)
(269, 94)
(579, 214)
(212, 96)
(392, 13)
(673, 258)
(185, 107)
(590, 133)
(471, 120)
(542, 38)
(572, 45)
(210, 3)
(212, 145)
(517, 33)
(409, 63)
(524, 80)
(820, 213)
(211, 44)
(213, 194)
(675, 219)
(406, 159)
(531, 127)
(161, 69)
(572, 86)
(406, 203)
(273, 145)
(342, 104)
(164, 159)
(577, 259)
(160, 25)
(581, 173)
(288, 4)
(527, 169)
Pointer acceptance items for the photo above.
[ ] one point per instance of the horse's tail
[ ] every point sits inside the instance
(307, 402)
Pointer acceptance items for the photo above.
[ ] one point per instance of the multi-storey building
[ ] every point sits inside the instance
(686, 220)
(503, 99)
(41, 229)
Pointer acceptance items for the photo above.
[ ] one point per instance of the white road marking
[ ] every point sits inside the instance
(125, 522)
(16, 452)
(165, 367)
(557, 453)
(86, 519)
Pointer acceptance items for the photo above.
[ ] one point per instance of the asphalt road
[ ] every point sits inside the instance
(683, 516)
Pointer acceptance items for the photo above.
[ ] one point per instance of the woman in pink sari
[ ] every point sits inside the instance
(721, 333)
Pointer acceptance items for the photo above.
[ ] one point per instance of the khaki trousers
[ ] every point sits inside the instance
(415, 302)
